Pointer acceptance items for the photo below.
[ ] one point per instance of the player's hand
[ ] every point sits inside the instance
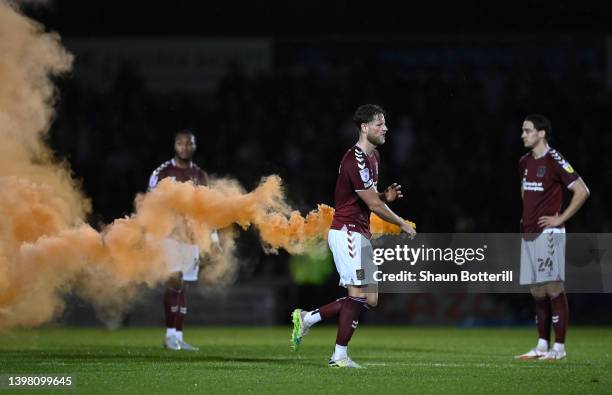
(407, 228)
(550, 221)
(216, 247)
(394, 191)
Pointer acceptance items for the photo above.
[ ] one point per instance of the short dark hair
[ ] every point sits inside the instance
(540, 122)
(186, 132)
(365, 113)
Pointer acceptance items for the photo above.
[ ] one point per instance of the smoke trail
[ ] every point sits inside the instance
(380, 227)
(46, 249)
(104, 267)
(37, 195)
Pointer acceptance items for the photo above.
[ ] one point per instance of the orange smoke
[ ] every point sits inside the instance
(37, 195)
(46, 248)
(380, 227)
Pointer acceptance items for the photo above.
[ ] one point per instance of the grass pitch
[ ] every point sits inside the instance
(258, 360)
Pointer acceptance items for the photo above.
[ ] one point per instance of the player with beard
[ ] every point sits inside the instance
(356, 196)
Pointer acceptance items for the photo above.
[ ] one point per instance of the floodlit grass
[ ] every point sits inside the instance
(258, 360)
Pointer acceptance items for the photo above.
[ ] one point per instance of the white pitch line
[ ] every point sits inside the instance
(452, 365)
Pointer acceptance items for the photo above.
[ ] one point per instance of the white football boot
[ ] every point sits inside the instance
(534, 353)
(186, 346)
(344, 363)
(172, 343)
(555, 354)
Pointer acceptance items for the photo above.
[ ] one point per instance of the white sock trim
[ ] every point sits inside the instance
(542, 344)
(559, 347)
(170, 332)
(179, 335)
(340, 352)
(311, 319)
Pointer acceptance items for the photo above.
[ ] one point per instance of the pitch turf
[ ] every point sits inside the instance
(258, 360)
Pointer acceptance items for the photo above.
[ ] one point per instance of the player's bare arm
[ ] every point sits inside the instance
(393, 192)
(580, 195)
(380, 208)
(214, 235)
(216, 242)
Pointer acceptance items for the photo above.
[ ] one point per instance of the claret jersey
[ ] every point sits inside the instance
(192, 173)
(543, 180)
(169, 169)
(358, 171)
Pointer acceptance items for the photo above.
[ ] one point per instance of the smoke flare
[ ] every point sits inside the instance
(46, 248)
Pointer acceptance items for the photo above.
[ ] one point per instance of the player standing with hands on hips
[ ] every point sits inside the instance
(545, 173)
(349, 237)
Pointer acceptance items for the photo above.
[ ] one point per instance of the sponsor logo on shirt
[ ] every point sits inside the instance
(568, 168)
(564, 164)
(533, 186)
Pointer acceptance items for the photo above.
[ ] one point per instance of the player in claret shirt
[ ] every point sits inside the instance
(181, 251)
(349, 237)
(545, 174)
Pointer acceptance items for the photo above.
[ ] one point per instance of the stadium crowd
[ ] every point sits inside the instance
(454, 136)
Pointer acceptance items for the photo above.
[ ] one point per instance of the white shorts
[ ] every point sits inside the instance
(349, 249)
(182, 257)
(543, 259)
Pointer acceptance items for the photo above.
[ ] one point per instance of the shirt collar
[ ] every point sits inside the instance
(174, 163)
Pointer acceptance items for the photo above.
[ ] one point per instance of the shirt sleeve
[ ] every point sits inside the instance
(359, 172)
(158, 175)
(203, 178)
(563, 171)
(153, 180)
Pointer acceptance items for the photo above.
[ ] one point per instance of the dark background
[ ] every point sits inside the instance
(277, 18)
(456, 80)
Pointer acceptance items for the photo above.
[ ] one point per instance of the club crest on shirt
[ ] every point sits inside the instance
(365, 175)
(541, 171)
